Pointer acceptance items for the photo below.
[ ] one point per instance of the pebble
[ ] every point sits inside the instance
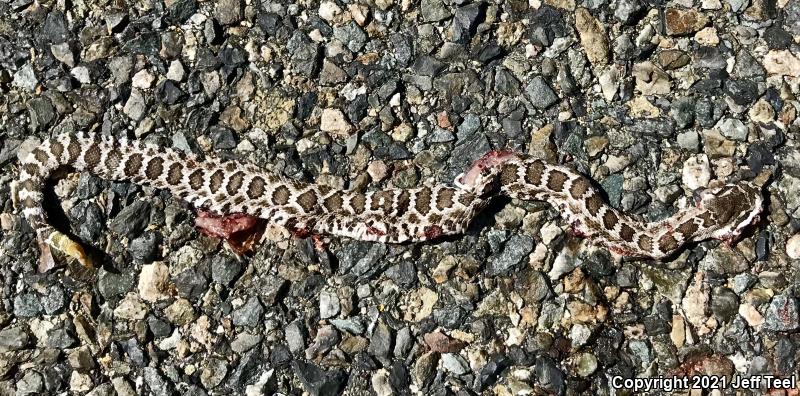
(593, 37)
(684, 21)
(540, 94)
(733, 129)
(793, 247)
(782, 63)
(334, 121)
(154, 282)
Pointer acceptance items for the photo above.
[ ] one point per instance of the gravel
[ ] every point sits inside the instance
(654, 101)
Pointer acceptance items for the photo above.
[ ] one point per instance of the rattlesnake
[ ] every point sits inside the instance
(389, 215)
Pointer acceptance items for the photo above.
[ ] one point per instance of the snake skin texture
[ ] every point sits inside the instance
(389, 215)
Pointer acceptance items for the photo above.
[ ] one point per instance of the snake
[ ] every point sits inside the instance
(231, 189)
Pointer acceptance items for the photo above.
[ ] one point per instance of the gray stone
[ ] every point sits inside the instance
(248, 314)
(733, 129)
(351, 36)
(27, 305)
(783, 313)
(228, 12)
(13, 339)
(31, 383)
(514, 251)
(25, 78)
(540, 94)
(434, 10)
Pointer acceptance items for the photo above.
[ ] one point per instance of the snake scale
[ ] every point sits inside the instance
(389, 215)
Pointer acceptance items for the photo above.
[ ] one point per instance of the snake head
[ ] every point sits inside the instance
(731, 209)
(481, 176)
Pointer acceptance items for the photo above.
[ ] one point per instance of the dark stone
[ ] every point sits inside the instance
(42, 113)
(55, 30)
(724, 304)
(134, 351)
(90, 219)
(465, 21)
(540, 94)
(317, 381)
(759, 155)
(305, 54)
(777, 38)
(113, 286)
(248, 314)
(403, 273)
(131, 220)
(427, 66)
(361, 258)
(27, 305)
(222, 138)
(490, 372)
(682, 111)
(709, 111)
(514, 251)
(191, 284)
(710, 58)
(549, 377)
(180, 10)
(159, 327)
(156, 382)
(145, 247)
(60, 338)
(225, 269)
(168, 92)
(743, 92)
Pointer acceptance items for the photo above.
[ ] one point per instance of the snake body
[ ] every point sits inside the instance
(388, 215)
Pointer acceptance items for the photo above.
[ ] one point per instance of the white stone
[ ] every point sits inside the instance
(176, 71)
(154, 282)
(751, 315)
(333, 121)
(328, 10)
(782, 63)
(377, 170)
(131, 308)
(761, 111)
(142, 79)
(696, 172)
(734, 129)
(793, 247)
(707, 36)
(81, 73)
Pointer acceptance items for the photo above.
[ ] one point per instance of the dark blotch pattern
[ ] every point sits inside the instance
(667, 243)
(216, 180)
(92, 156)
(444, 199)
(73, 149)
(423, 203)
(687, 229)
(534, 173)
(256, 187)
(175, 173)
(593, 204)
(556, 180)
(509, 174)
(333, 202)
(610, 219)
(358, 203)
(308, 201)
(280, 196)
(579, 187)
(403, 200)
(57, 149)
(626, 232)
(154, 168)
(645, 243)
(235, 183)
(133, 164)
(196, 179)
